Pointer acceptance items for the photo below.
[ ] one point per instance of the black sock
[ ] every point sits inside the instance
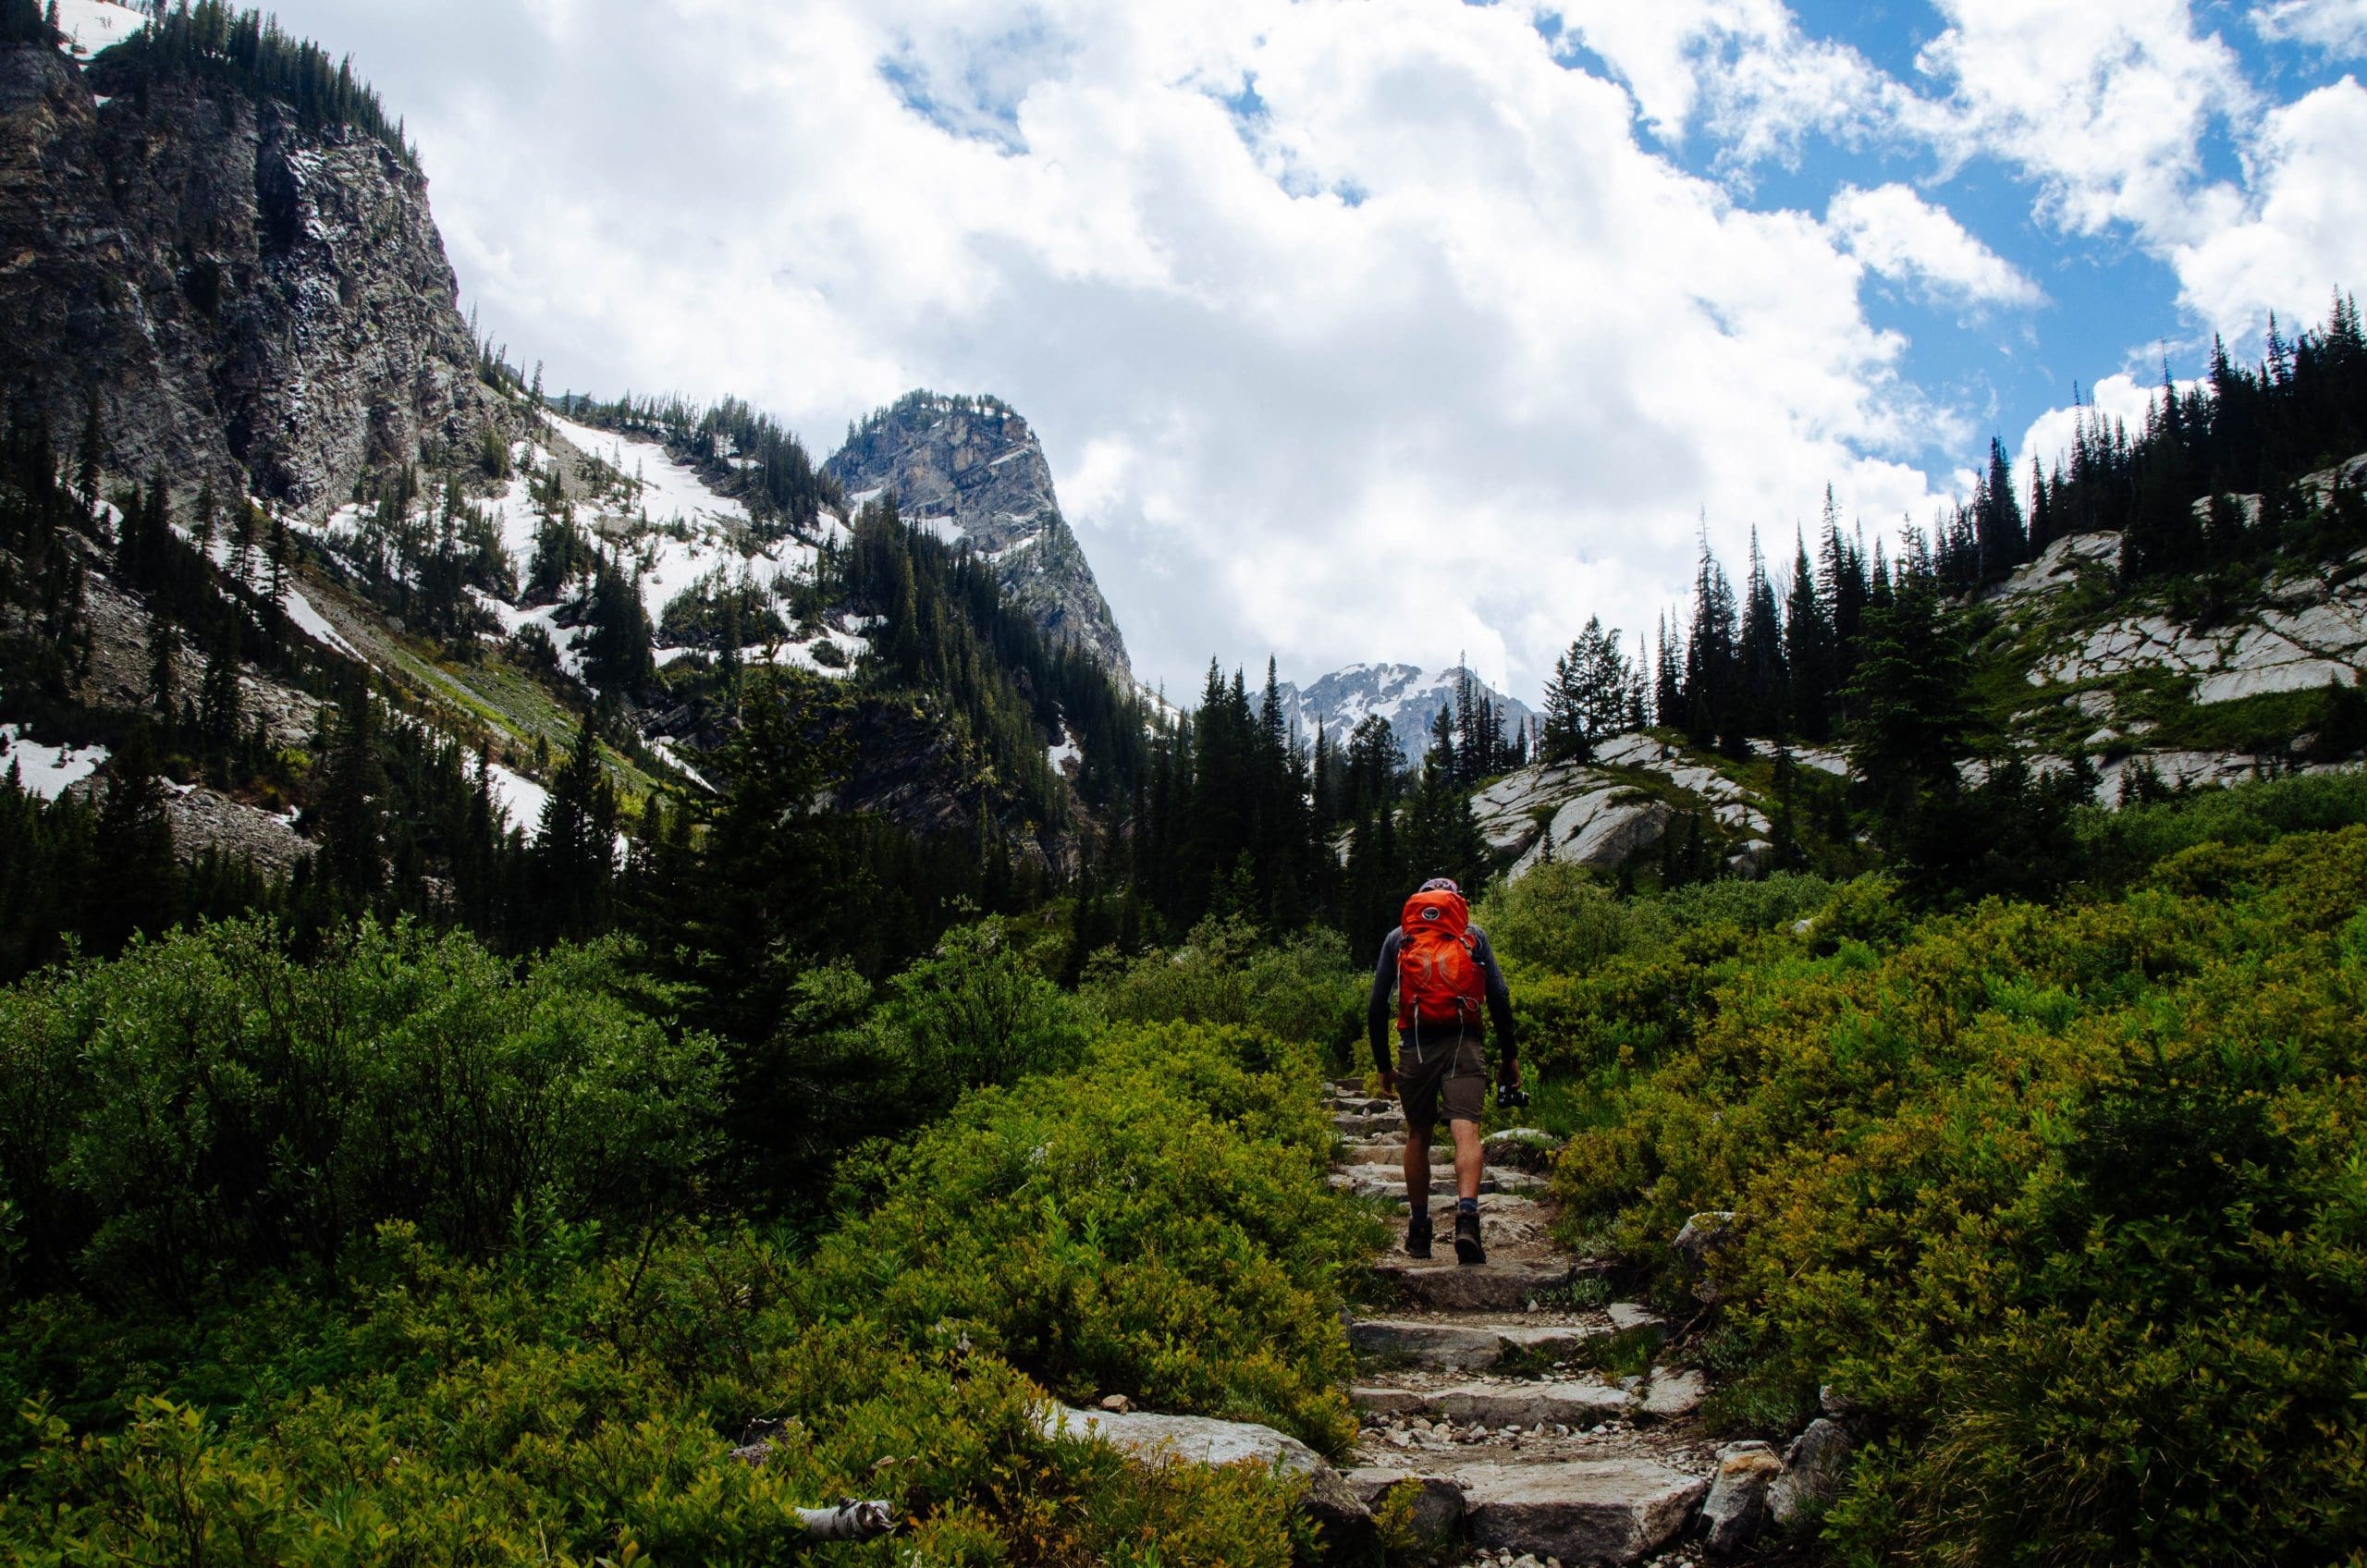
(1466, 1206)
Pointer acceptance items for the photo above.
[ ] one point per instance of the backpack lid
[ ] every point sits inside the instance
(1440, 910)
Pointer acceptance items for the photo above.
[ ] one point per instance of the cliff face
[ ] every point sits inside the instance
(969, 470)
(237, 295)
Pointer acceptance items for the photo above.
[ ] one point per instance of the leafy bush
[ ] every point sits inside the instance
(1557, 919)
(1154, 1221)
(1156, 1225)
(207, 1104)
(2068, 1201)
(1301, 987)
(2116, 847)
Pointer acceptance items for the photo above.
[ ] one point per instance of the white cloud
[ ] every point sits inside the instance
(1740, 70)
(1901, 236)
(2336, 27)
(2123, 398)
(2304, 232)
(2104, 104)
(1413, 352)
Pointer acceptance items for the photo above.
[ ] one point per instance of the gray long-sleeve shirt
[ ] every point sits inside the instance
(1384, 985)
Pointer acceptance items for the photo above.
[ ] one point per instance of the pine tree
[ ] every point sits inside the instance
(1566, 735)
(139, 886)
(574, 853)
(1909, 700)
(350, 813)
(1808, 650)
(1761, 675)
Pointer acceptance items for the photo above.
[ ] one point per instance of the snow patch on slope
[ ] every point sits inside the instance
(92, 25)
(45, 769)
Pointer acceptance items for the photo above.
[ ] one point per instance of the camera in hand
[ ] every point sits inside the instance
(1509, 1098)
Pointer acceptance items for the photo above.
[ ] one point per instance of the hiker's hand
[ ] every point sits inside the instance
(1389, 1082)
(1509, 1075)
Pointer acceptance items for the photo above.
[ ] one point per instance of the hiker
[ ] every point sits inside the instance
(1440, 965)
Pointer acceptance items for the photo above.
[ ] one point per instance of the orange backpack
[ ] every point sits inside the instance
(1438, 978)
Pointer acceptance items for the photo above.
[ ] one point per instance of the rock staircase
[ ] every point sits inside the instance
(1527, 1413)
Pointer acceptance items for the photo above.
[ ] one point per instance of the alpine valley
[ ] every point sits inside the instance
(586, 982)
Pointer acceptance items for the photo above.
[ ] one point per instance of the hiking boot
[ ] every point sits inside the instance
(1418, 1236)
(1466, 1238)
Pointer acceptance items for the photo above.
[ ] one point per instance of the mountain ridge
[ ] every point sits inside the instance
(1408, 697)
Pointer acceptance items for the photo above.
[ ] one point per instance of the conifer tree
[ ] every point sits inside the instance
(349, 810)
(139, 887)
(574, 854)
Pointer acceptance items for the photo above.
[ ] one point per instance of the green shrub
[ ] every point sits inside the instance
(1300, 988)
(1156, 1225)
(206, 1104)
(1153, 1222)
(2069, 1201)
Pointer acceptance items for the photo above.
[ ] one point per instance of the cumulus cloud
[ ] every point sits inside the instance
(1351, 331)
(2125, 398)
(1902, 237)
(1741, 70)
(2335, 28)
(2105, 103)
(2304, 231)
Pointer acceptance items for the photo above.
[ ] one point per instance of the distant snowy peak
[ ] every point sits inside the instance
(1409, 698)
(970, 470)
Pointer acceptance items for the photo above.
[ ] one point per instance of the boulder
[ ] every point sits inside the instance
(1627, 1317)
(1736, 1505)
(1199, 1440)
(1501, 1286)
(1814, 1467)
(1601, 829)
(1438, 1499)
(1704, 1236)
(1672, 1395)
(1618, 833)
(1580, 1511)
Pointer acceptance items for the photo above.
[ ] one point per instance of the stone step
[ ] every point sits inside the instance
(1382, 1153)
(1355, 1124)
(1469, 1345)
(1360, 1105)
(1579, 1510)
(1501, 1286)
(1386, 1183)
(1569, 1402)
(1438, 1504)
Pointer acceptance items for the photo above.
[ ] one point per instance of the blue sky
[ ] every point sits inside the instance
(1391, 329)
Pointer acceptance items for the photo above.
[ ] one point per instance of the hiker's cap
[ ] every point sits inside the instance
(1441, 885)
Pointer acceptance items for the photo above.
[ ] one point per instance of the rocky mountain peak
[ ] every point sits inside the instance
(971, 471)
(1406, 696)
(236, 290)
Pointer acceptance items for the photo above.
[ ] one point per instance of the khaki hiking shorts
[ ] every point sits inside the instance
(1446, 1078)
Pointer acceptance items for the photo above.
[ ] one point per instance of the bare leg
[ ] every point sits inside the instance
(1467, 1159)
(1417, 1167)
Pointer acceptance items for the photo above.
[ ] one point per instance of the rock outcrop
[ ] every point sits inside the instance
(238, 294)
(1605, 814)
(972, 472)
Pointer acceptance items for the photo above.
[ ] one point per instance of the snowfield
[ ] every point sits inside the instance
(92, 25)
(43, 769)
